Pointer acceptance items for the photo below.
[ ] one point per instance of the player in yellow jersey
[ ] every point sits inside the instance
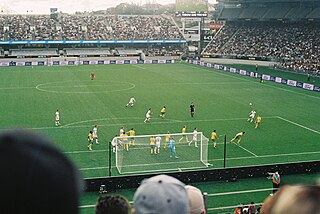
(90, 140)
(167, 140)
(163, 112)
(153, 149)
(184, 131)
(237, 137)
(125, 141)
(132, 133)
(258, 121)
(214, 138)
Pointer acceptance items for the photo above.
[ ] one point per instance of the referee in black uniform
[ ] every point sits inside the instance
(192, 108)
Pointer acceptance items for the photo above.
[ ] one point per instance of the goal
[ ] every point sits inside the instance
(63, 61)
(139, 159)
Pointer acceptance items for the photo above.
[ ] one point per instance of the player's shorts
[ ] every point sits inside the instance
(95, 136)
(152, 146)
(162, 113)
(184, 136)
(172, 148)
(125, 141)
(238, 137)
(195, 139)
(131, 138)
(214, 140)
(89, 141)
(158, 145)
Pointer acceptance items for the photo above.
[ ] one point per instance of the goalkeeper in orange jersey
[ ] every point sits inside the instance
(238, 137)
(258, 121)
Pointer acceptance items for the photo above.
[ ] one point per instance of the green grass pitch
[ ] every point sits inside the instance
(289, 132)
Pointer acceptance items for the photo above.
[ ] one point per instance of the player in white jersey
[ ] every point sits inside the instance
(131, 102)
(158, 142)
(252, 115)
(121, 130)
(57, 118)
(148, 116)
(194, 137)
(114, 143)
(95, 134)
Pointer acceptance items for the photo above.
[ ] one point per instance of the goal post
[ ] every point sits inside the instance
(136, 155)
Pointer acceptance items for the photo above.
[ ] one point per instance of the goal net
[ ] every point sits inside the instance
(63, 61)
(137, 155)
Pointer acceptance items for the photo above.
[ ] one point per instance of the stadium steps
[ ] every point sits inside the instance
(213, 39)
(231, 37)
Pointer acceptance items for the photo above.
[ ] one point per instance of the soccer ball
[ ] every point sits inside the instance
(250, 104)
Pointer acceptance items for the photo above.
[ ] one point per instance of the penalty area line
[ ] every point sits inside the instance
(297, 124)
(245, 149)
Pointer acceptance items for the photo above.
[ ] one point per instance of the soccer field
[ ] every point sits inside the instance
(289, 131)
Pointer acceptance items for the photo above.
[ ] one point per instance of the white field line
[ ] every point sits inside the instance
(141, 146)
(161, 170)
(139, 66)
(237, 144)
(210, 195)
(148, 164)
(41, 87)
(81, 86)
(239, 192)
(67, 126)
(244, 79)
(297, 124)
(16, 88)
(213, 160)
(230, 207)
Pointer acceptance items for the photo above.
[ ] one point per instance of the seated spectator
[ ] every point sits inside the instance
(195, 200)
(161, 194)
(112, 204)
(238, 209)
(293, 200)
(252, 208)
(36, 176)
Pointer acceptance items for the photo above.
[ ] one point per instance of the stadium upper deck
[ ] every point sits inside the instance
(269, 9)
(73, 27)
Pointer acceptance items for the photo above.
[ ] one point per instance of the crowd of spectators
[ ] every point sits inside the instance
(295, 45)
(87, 27)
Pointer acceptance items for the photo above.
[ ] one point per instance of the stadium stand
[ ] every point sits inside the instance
(265, 10)
(34, 52)
(77, 27)
(295, 44)
(87, 51)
